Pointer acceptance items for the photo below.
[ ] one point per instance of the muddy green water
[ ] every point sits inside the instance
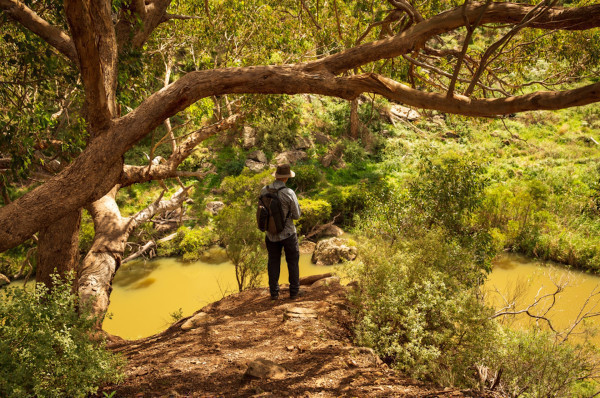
(523, 281)
(145, 294)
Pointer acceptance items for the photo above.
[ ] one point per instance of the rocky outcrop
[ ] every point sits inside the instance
(403, 112)
(255, 166)
(258, 156)
(214, 207)
(307, 247)
(262, 368)
(309, 280)
(195, 321)
(333, 251)
(303, 143)
(4, 280)
(327, 281)
(332, 230)
(299, 313)
(290, 157)
(249, 137)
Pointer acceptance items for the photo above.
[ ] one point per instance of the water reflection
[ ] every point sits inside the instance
(145, 294)
(560, 294)
(133, 272)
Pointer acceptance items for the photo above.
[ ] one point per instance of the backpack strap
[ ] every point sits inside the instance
(277, 193)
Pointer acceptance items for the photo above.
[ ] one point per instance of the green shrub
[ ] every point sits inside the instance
(537, 364)
(346, 201)
(308, 178)
(236, 226)
(45, 346)
(415, 307)
(354, 152)
(246, 187)
(314, 212)
(192, 242)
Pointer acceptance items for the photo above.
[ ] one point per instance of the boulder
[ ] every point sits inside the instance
(4, 280)
(249, 137)
(214, 207)
(333, 230)
(195, 321)
(303, 143)
(332, 280)
(309, 280)
(307, 247)
(264, 369)
(333, 251)
(321, 138)
(290, 157)
(327, 160)
(404, 112)
(255, 166)
(258, 156)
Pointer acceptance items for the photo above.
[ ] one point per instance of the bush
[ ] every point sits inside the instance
(537, 364)
(192, 242)
(415, 308)
(314, 212)
(236, 225)
(307, 178)
(45, 346)
(246, 187)
(346, 201)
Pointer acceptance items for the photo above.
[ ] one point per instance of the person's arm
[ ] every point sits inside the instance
(295, 211)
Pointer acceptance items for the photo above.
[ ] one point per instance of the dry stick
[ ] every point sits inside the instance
(448, 75)
(581, 316)
(142, 250)
(461, 56)
(24, 263)
(337, 20)
(321, 228)
(536, 301)
(305, 6)
(527, 19)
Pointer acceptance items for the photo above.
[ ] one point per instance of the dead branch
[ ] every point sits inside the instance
(149, 245)
(320, 228)
(461, 55)
(529, 18)
(26, 263)
(305, 6)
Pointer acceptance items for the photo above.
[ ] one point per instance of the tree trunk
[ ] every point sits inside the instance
(58, 248)
(104, 258)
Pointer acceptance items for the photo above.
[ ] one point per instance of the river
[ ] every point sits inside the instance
(145, 294)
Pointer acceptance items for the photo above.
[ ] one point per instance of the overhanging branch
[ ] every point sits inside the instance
(49, 33)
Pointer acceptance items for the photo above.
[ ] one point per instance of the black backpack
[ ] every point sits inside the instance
(269, 214)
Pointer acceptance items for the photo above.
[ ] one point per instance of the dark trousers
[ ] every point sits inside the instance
(292, 255)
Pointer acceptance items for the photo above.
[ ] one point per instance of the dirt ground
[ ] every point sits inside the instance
(309, 338)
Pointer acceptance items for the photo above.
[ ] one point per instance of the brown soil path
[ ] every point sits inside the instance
(313, 345)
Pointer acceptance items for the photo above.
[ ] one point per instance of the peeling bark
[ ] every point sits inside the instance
(105, 256)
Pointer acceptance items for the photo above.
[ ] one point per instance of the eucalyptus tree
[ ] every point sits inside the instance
(467, 59)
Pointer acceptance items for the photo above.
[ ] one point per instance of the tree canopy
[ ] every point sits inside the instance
(84, 81)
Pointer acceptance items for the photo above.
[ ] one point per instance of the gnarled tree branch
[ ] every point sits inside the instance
(32, 21)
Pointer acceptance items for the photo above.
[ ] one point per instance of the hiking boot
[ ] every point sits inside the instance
(295, 296)
(274, 297)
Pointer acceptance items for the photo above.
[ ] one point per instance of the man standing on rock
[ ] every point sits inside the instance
(287, 238)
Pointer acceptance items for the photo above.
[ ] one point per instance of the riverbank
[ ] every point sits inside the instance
(309, 339)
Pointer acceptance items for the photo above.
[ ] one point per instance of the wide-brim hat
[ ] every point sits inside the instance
(283, 171)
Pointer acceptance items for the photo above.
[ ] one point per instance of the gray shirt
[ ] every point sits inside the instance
(289, 205)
